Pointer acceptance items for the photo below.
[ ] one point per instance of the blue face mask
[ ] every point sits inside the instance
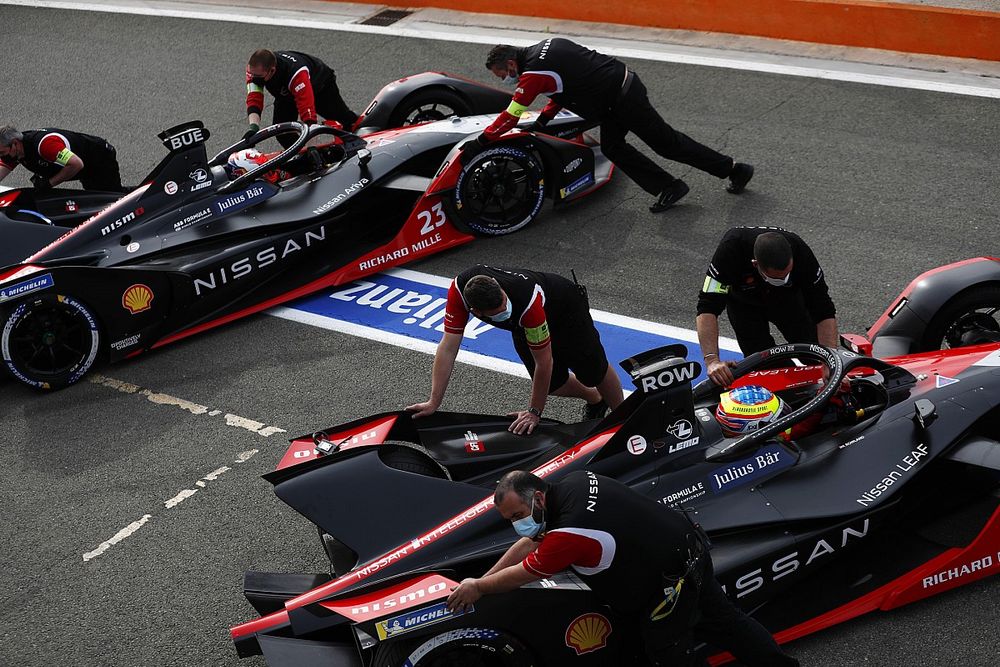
(528, 527)
(502, 317)
(509, 80)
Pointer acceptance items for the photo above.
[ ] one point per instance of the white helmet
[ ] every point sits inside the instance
(243, 161)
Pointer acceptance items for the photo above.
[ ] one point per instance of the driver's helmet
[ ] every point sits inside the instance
(747, 409)
(243, 161)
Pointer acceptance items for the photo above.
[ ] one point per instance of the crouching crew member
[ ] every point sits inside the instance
(646, 561)
(602, 89)
(303, 87)
(57, 156)
(549, 319)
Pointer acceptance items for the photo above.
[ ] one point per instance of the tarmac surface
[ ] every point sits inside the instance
(884, 183)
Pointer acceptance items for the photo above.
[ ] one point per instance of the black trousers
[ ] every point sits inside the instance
(633, 113)
(102, 173)
(704, 614)
(784, 307)
(329, 104)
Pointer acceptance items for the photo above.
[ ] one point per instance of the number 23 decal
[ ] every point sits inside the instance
(432, 218)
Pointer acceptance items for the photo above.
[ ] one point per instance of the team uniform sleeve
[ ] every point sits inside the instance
(302, 90)
(55, 149)
(815, 291)
(718, 280)
(255, 96)
(529, 86)
(559, 550)
(456, 313)
(535, 323)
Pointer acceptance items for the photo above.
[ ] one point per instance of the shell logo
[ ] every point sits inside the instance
(588, 633)
(137, 299)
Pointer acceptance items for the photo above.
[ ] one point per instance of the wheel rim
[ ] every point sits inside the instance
(50, 340)
(426, 113)
(984, 318)
(499, 191)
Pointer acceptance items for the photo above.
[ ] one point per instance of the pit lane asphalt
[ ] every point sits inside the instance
(883, 183)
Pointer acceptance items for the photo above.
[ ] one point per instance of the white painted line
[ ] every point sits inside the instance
(315, 16)
(236, 421)
(179, 498)
(117, 537)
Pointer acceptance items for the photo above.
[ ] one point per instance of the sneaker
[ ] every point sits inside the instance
(740, 176)
(595, 410)
(671, 194)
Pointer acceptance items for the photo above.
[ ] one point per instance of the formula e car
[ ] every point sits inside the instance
(412, 100)
(196, 247)
(891, 502)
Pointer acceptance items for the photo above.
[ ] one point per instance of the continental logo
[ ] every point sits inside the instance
(588, 633)
(137, 298)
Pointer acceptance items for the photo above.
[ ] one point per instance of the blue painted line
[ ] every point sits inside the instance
(405, 305)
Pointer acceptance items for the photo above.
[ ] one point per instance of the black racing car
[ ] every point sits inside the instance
(893, 501)
(197, 246)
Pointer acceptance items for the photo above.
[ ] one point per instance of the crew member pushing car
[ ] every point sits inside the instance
(303, 87)
(763, 275)
(549, 319)
(646, 561)
(57, 156)
(601, 88)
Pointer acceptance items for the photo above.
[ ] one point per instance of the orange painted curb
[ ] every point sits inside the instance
(896, 27)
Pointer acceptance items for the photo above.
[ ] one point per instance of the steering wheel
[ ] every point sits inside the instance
(837, 361)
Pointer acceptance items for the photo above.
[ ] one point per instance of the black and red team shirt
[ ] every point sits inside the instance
(582, 80)
(732, 275)
(545, 307)
(294, 75)
(49, 150)
(618, 541)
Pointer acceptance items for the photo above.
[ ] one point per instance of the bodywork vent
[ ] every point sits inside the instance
(386, 17)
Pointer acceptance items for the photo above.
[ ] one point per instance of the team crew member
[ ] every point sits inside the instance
(57, 156)
(763, 275)
(644, 560)
(601, 88)
(303, 87)
(549, 319)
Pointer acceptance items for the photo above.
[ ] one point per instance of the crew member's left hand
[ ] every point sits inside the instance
(471, 148)
(40, 182)
(524, 422)
(461, 598)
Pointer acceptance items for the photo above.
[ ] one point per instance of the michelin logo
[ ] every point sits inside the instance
(413, 620)
(26, 287)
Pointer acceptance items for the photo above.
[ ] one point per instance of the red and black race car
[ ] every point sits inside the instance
(197, 246)
(891, 502)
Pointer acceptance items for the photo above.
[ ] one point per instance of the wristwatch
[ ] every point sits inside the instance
(536, 412)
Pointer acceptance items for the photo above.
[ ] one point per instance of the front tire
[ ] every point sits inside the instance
(50, 342)
(428, 106)
(956, 324)
(499, 191)
(461, 647)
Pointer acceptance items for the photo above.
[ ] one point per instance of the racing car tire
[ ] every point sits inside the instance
(468, 647)
(513, 175)
(962, 307)
(60, 329)
(428, 98)
(411, 457)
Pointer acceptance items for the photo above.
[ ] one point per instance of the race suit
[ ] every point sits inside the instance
(733, 284)
(547, 309)
(627, 548)
(303, 87)
(48, 150)
(600, 88)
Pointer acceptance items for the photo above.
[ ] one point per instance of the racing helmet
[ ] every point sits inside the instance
(747, 409)
(243, 161)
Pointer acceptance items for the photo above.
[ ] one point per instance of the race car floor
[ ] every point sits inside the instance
(133, 502)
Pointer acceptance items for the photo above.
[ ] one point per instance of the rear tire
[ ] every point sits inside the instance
(979, 307)
(499, 191)
(428, 106)
(410, 457)
(49, 342)
(461, 647)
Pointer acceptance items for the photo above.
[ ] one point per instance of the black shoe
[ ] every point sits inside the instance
(671, 194)
(595, 410)
(740, 176)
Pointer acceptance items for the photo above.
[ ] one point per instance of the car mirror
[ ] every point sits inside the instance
(924, 413)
